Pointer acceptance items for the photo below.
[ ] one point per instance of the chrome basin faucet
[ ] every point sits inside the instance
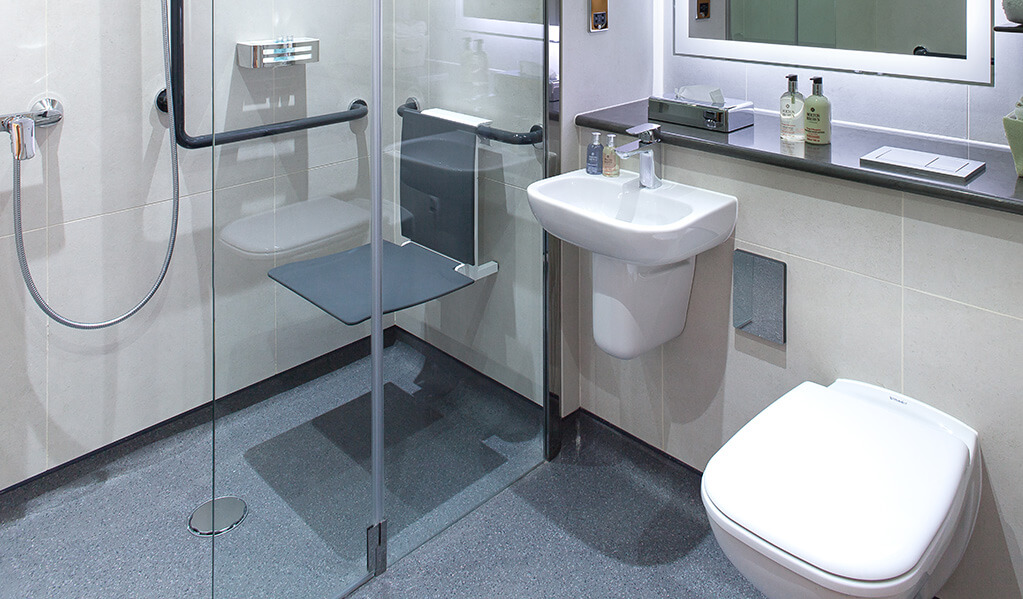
(648, 134)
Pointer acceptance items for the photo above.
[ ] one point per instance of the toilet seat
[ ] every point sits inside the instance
(851, 486)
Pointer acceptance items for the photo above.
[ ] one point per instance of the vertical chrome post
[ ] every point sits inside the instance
(551, 245)
(376, 250)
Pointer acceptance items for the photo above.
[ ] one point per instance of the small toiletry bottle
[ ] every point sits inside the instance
(595, 156)
(611, 164)
(818, 115)
(792, 115)
(480, 70)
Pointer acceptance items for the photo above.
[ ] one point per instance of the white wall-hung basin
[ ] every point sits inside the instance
(643, 241)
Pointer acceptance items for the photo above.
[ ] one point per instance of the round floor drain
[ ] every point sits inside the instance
(217, 516)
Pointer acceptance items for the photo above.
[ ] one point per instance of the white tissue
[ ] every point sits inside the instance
(700, 93)
(1017, 113)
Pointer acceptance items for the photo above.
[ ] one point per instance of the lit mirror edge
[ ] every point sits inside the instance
(977, 67)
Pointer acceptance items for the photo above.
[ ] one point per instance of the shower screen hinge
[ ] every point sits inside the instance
(376, 548)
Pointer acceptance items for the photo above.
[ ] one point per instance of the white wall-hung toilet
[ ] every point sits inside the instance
(845, 491)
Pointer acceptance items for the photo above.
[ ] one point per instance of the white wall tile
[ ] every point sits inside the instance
(244, 318)
(92, 74)
(104, 385)
(23, 62)
(303, 330)
(897, 102)
(970, 254)
(22, 365)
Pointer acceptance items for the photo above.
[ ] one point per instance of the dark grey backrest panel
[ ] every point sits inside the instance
(438, 185)
(758, 296)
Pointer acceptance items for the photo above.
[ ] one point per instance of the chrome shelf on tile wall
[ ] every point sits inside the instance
(356, 110)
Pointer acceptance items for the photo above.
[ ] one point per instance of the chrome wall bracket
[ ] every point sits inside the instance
(44, 113)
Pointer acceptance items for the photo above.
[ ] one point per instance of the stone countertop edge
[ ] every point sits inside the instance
(998, 187)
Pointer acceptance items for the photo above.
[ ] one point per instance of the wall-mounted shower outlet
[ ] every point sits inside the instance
(598, 15)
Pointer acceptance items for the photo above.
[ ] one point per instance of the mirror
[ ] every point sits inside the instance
(500, 17)
(934, 39)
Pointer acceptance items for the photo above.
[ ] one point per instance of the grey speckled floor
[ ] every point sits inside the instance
(113, 525)
(608, 518)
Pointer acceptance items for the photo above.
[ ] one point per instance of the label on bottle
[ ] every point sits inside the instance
(792, 123)
(817, 127)
(593, 160)
(611, 168)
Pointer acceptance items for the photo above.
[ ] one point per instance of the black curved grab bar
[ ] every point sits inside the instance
(533, 136)
(356, 110)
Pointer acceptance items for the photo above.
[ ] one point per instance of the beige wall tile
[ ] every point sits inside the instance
(965, 361)
(839, 324)
(848, 225)
(695, 362)
(969, 254)
(626, 393)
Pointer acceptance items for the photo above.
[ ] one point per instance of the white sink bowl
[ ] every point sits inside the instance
(643, 243)
(615, 217)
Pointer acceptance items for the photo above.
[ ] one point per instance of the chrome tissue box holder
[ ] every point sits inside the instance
(278, 53)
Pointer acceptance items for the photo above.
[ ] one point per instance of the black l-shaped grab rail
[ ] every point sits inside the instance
(533, 136)
(356, 110)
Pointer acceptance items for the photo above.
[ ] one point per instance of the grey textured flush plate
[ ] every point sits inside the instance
(758, 296)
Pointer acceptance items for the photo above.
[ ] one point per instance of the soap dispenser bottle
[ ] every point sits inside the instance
(595, 156)
(793, 124)
(611, 165)
(480, 70)
(818, 115)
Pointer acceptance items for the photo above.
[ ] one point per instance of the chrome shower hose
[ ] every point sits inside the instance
(176, 195)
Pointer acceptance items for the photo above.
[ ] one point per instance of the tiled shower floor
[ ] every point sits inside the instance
(608, 518)
(295, 449)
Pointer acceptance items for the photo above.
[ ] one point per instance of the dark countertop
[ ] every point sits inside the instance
(997, 187)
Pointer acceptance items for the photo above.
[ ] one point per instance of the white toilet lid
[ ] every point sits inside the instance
(855, 487)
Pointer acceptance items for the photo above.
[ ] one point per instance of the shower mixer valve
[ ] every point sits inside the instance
(21, 126)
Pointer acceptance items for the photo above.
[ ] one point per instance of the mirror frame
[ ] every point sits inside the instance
(976, 68)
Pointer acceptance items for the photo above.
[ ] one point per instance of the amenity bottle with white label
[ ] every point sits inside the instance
(818, 115)
(611, 164)
(792, 112)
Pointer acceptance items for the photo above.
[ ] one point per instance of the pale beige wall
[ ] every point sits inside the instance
(916, 294)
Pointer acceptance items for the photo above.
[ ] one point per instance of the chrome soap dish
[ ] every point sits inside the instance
(278, 52)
